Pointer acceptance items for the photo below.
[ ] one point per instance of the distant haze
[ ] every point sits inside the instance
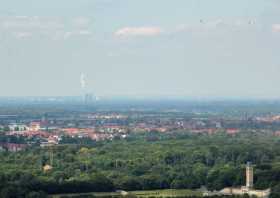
(192, 48)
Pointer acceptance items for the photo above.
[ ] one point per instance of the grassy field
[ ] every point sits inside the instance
(140, 194)
(166, 193)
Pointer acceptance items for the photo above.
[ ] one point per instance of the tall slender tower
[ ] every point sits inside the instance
(249, 176)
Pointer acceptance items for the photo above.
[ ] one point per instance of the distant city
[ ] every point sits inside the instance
(107, 120)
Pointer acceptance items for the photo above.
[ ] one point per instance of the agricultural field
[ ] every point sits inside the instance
(140, 194)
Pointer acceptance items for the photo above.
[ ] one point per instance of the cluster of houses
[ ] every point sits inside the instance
(50, 132)
(54, 136)
(33, 126)
(107, 126)
(87, 132)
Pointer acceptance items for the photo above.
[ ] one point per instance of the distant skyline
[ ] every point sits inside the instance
(189, 48)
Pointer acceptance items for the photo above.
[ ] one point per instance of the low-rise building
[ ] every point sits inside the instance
(17, 127)
(35, 126)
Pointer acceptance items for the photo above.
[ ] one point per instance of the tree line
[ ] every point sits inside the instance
(145, 161)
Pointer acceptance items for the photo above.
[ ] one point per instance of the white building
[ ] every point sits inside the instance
(17, 127)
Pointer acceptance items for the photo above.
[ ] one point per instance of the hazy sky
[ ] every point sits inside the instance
(140, 47)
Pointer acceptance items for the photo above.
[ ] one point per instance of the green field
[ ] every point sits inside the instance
(166, 193)
(144, 194)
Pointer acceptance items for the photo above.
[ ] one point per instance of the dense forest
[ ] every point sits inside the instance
(143, 162)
